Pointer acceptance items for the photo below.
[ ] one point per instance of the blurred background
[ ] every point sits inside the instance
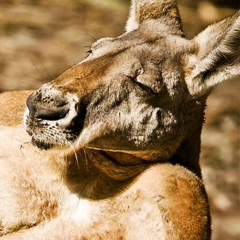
(39, 39)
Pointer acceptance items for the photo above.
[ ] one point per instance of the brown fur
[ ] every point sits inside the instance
(114, 142)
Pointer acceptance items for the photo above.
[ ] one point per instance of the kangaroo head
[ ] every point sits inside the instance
(142, 93)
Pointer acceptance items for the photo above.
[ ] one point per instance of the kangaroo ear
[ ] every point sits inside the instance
(132, 22)
(217, 56)
(164, 12)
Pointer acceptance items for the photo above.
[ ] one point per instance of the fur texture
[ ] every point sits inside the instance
(112, 150)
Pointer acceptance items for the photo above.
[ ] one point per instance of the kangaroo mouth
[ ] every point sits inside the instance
(41, 144)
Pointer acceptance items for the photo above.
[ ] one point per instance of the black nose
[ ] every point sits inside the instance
(40, 110)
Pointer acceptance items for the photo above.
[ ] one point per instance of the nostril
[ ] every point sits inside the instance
(51, 114)
(44, 111)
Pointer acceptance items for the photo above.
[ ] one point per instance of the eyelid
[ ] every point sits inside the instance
(145, 87)
(141, 85)
(101, 42)
(89, 51)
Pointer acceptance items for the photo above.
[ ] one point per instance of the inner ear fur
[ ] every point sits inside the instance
(159, 11)
(217, 56)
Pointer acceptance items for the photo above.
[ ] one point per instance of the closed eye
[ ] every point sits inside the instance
(89, 51)
(144, 87)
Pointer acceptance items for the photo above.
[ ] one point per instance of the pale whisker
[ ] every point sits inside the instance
(22, 147)
(75, 153)
(85, 158)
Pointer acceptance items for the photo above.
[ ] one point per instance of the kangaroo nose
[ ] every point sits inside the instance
(42, 111)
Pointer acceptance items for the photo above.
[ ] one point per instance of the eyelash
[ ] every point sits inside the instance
(89, 51)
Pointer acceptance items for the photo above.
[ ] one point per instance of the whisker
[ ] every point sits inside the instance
(66, 159)
(92, 37)
(40, 68)
(85, 158)
(75, 154)
(21, 148)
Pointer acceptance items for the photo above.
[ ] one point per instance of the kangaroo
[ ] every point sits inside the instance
(110, 148)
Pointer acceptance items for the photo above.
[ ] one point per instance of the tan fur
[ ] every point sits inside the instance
(114, 142)
(134, 214)
(13, 105)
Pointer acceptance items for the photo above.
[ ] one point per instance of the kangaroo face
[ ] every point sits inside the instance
(127, 95)
(140, 92)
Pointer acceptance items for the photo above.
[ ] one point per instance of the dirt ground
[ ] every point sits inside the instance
(40, 39)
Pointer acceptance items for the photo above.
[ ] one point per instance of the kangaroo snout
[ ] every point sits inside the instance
(51, 112)
(51, 118)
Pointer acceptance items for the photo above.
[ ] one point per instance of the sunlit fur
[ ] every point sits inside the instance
(110, 148)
